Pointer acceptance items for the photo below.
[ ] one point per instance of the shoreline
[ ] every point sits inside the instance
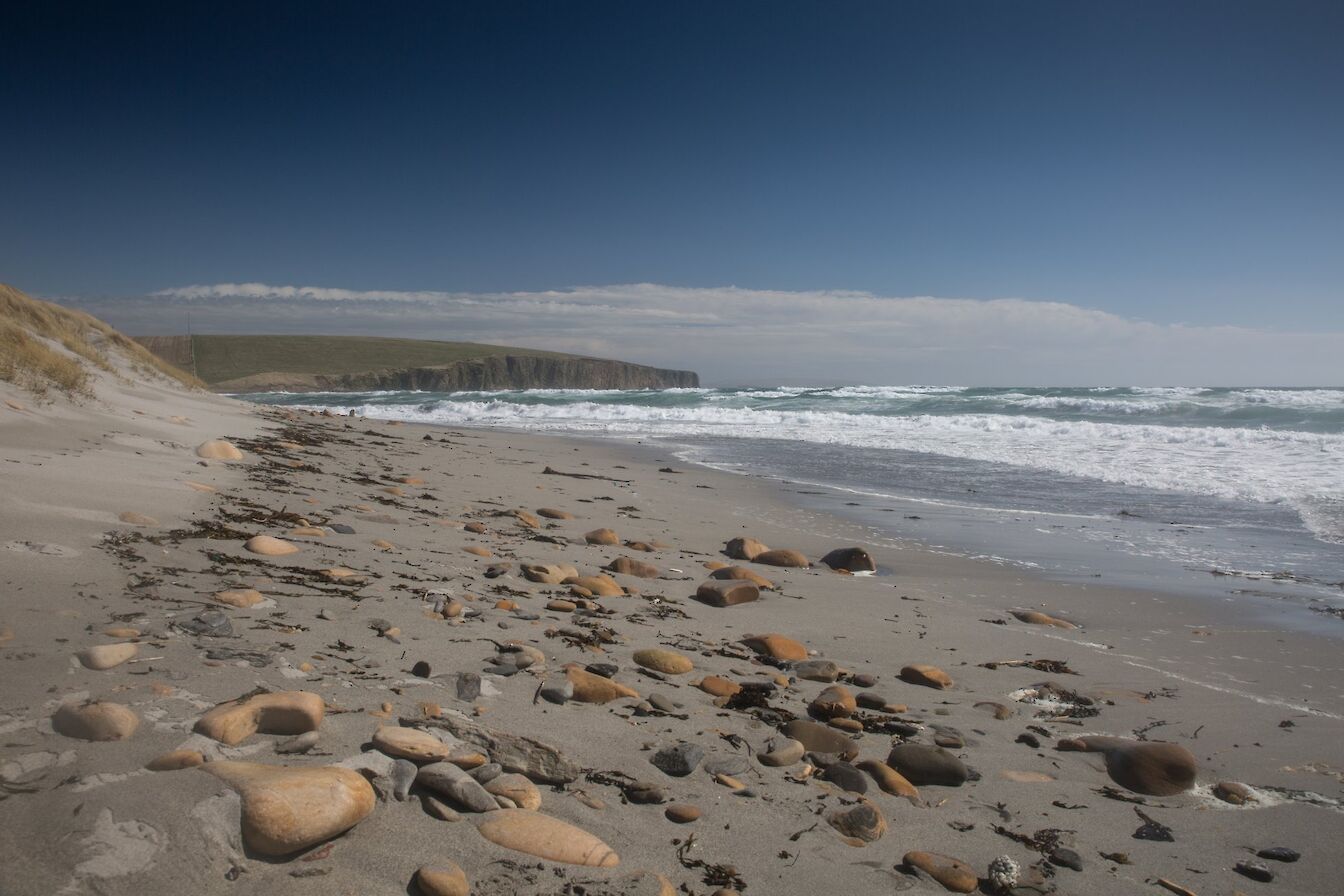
(1152, 666)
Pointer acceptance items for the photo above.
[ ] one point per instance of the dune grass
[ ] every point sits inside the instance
(29, 330)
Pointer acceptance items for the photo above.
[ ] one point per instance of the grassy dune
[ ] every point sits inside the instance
(31, 330)
(218, 359)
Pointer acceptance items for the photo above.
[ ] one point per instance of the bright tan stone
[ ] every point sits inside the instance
(445, 879)
(590, 688)
(628, 566)
(122, 631)
(718, 687)
(218, 449)
(1033, 617)
(744, 548)
(551, 513)
(546, 838)
(308, 532)
(743, 574)
(602, 536)
(669, 662)
(242, 598)
(289, 809)
(282, 712)
(598, 586)
(888, 779)
(410, 743)
(95, 721)
(270, 546)
(478, 551)
(782, 557)
(176, 759)
(548, 573)
(105, 656)
(776, 646)
(926, 675)
(517, 788)
(834, 702)
(954, 874)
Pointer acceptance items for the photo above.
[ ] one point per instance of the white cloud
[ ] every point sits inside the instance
(735, 335)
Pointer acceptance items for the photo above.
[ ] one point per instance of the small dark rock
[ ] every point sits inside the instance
(846, 777)
(1255, 871)
(606, 670)
(1066, 858)
(1029, 739)
(645, 793)
(343, 529)
(678, 760)
(420, 669)
(468, 686)
(1280, 854)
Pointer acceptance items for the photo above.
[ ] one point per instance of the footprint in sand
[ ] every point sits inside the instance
(34, 547)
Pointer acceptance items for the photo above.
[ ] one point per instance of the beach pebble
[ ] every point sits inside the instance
(817, 670)
(834, 702)
(300, 743)
(546, 838)
(780, 751)
(590, 688)
(439, 809)
(410, 743)
(1032, 617)
(628, 566)
(817, 738)
(241, 598)
(997, 710)
(547, 573)
(1257, 871)
(468, 686)
(744, 548)
(678, 760)
(463, 791)
(742, 573)
(1153, 768)
(926, 675)
(1279, 854)
(486, 773)
(540, 762)
(681, 813)
(282, 712)
(602, 537)
(718, 687)
(1066, 858)
(776, 646)
(645, 793)
(403, 776)
(105, 656)
(889, 780)
(517, 788)
(557, 690)
(269, 546)
(96, 720)
(850, 559)
(954, 874)
(846, 777)
(444, 879)
(921, 764)
(289, 809)
(1233, 792)
(782, 557)
(218, 449)
(175, 760)
(863, 821)
(727, 592)
(669, 662)
(551, 513)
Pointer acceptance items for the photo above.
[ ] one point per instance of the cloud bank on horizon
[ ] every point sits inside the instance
(736, 336)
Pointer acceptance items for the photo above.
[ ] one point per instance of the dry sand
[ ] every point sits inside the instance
(1256, 706)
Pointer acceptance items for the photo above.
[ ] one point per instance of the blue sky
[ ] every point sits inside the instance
(1167, 163)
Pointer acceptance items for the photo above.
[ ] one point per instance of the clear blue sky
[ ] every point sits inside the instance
(1170, 161)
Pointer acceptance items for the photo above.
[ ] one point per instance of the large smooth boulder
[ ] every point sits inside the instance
(744, 548)
(628, 566)
(444, 879)
(669, 662)
(602, 537)
(282, 712)
(854, 559)
(289, 809)
(410, 743)
(817, 738)
(1153, 768)
(95, 721)
(776, 646)
(742, 573)
(218, 449)
(727, 592)
(104, 656)
(922, 764)
(835, 702)
(590, 688)
(926, 676)
(546, 838)
(782, 557)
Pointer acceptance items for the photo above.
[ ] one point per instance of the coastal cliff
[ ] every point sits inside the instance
(497, 373)
(363, 363)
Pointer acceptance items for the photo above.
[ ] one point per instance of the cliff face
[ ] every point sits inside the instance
(478, 374)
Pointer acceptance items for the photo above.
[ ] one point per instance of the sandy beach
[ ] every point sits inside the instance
(454, 585)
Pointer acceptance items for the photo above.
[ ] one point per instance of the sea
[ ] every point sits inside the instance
(1224, 491)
